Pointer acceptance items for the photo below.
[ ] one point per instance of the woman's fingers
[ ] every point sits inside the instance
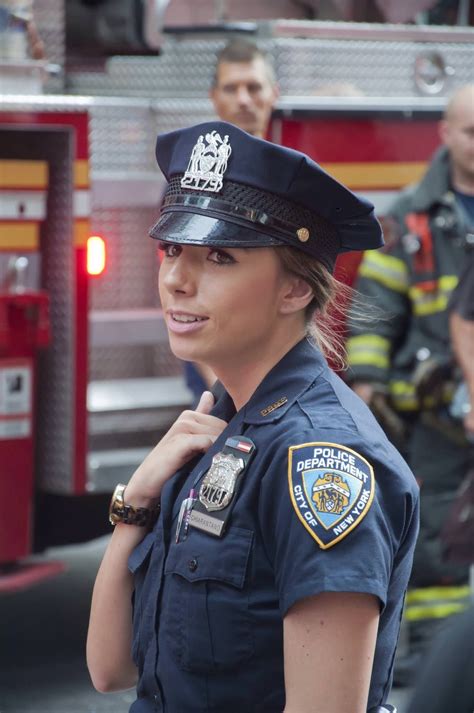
(213, 426)
(199, 443)
(194, 432)
(206, 403)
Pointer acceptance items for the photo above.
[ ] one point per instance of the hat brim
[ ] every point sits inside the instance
(195, 229)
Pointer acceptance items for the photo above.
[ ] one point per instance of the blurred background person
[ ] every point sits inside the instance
(402, 366)
(243, 92)
(462, 337)
(244, 89)
(446, 682)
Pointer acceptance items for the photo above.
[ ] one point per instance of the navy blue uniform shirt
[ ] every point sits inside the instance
(326, 505)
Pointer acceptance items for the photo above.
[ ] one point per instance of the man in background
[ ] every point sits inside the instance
(243, 92)
(402, 363)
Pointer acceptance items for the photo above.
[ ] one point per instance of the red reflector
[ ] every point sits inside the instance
(95, 255)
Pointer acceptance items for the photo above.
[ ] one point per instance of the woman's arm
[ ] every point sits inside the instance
(110, 626)
(329, 644)
(109, 640)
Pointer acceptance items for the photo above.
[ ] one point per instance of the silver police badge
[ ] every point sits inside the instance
(218, 485)
(208, 163)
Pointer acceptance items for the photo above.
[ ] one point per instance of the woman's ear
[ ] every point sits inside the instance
(297, 296)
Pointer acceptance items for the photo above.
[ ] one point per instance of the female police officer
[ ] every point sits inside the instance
(263, 548)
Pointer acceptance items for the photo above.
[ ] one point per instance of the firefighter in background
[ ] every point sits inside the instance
(390, 365)
(446, 682)
(243, 92)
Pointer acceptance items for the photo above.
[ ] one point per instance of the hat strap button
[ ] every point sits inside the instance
(303, 234)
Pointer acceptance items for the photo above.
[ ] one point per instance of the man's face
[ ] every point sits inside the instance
(457, 132)
(244, 95)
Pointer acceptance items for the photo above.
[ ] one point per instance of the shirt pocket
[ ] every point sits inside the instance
(208, 626)
(138, 565)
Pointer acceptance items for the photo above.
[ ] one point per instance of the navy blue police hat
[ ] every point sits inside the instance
(227, 188)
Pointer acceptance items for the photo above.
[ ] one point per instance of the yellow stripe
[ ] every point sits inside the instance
(368, 359)
(425, 303)
(426, 594)
(376, 175)
(368, 349)
(81, 232)
(436, 611)
(403, 395)
(389, 271)
(23, 174)
(373, 340)
(19, 236)
(402, 388)
(81, 173)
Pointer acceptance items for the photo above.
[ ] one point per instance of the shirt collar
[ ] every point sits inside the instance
(280, 388)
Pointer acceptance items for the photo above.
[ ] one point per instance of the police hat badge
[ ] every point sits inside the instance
(207, 163)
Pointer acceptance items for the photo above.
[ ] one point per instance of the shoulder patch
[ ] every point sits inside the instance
(331, 488)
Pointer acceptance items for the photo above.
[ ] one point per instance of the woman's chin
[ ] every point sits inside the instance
(184, 352)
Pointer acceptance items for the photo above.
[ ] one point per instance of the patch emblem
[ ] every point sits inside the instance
(208, 163)
(331, 488)
(218, 485)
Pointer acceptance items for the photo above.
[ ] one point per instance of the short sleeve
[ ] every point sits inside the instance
(324, 533)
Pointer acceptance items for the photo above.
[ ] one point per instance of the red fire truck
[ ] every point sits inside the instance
(87, 382)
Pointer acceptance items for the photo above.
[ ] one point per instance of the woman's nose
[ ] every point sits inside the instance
(179, 276)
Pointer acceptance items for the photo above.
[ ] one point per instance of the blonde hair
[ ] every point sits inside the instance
(326, 313)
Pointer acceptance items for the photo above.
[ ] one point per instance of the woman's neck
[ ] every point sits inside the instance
(242, 379)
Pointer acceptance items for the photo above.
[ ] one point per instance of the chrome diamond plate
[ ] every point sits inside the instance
(122, 137)
(56, 397)
(184, 69)
(130, 279)
(50, 21)
(375, 68)
(123, 134)
(130, 282)
(381, 67)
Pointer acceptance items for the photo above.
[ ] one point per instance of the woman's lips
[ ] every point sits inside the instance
(184, 322)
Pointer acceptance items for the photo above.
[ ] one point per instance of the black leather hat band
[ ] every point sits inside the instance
(228, 211)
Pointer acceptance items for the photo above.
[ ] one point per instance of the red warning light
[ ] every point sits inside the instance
(96, 255)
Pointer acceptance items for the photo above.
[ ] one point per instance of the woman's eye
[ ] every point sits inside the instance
(220, 257)
(169, 249)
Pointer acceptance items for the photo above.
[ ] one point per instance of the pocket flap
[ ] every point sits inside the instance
(141, 552)
(203, 556)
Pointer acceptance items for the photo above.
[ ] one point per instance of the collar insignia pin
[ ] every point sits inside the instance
(273, 407)
(208, 163)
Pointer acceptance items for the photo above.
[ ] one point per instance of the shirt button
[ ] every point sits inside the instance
(192, 565)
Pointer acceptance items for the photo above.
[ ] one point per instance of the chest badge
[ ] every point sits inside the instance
(208, 163)
(331, 489)
(219, 488)
(218, 485)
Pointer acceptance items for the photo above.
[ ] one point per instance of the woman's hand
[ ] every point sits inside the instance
(192, 433)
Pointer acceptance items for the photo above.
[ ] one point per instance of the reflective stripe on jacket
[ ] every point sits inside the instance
(407, 286)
